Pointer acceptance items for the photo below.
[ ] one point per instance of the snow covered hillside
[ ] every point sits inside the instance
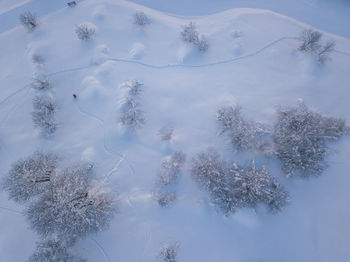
(252, 61)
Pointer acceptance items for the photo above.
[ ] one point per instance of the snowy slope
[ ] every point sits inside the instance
(182, 89)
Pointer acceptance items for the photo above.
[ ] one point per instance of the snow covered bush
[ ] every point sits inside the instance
(166, 133)
(232, 186)
(311, 43)
(29, 21)
(30, 177)
(53, 250)
(189, 34)
(44, 114)
(41, 83)
(244, 135)
(38, 59)
(85, 31)
(301, 137)
(141, 19)
(165, 198)
(131, 114)
(72, 206)
(168, 253)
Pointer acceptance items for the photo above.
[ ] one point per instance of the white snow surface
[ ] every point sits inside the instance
(183, 88)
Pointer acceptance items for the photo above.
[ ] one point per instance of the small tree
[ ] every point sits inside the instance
(44, 114)
(72, 206)
(30, 177)
(244, 135)
(41, 83)
(170, 169)
(141, 19)
(53, 250)
(38, 59)
(85, 31)
(29, 20)
(189, 34)
(324, 52)
(168, 253)
(166, 133)
(301, 137)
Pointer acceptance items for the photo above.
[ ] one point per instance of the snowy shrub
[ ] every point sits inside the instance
(189, 34)
(141, 19)
(85, 31)
(168, 253)
(72, 206)
(44, 114)
(53, 250)
(232, 186)
(301, 137)
(30, 177)
(38, 59)
(311, 43)
(171, 169)
(41, 83)
(29, 20)
(165, 198)
(166, 133)
(131, 114)
(244, 135)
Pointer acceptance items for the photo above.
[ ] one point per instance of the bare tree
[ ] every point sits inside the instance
(29, 20)
(38, 59)
(44, 114)
(301, 137)
(166, 133)
(85, 31)
(141, 19)
(72, 206)
(53, 250)
(244, 135)
(323, 54)
(30, 177)
(189, 34)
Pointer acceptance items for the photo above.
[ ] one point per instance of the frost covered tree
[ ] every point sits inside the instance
(141, 19)
(30, 177)
(244, 135)
(171, 169)
(168, 253)
(72, 206)
(53, 250)
(311, 43)
(85, 31)
(29, 20)
(41, 83)
(301, 138)
(44, 114)
(189, 34)
(232, 186)
(38, 59)
(166, 133)
(131, 114)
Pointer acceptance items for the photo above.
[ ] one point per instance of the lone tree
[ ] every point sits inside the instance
(53, 250)
(301, 138)
(30, 177)
(232, 186)
(72, 206)
(189, 34)
(141, 19)
(85, 31)
(29, 20)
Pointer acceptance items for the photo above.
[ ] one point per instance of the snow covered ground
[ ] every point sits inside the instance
(260, 69)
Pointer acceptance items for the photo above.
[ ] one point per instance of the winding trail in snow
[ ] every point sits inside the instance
(101, 249)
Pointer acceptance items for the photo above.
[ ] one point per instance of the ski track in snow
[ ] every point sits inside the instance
(101, 249)
(11, 210)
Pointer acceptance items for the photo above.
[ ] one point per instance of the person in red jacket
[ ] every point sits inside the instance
(74, 96)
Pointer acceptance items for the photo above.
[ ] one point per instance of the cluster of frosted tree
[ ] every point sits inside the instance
(29, 21)
(168, 177)
(44, 113)
(232, 186)
(131, 114)
(62, 205)
(141, 19)
(311, 43)
(189, 34)
(299, 138)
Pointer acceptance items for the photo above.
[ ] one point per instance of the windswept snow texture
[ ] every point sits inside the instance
(258, 68)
